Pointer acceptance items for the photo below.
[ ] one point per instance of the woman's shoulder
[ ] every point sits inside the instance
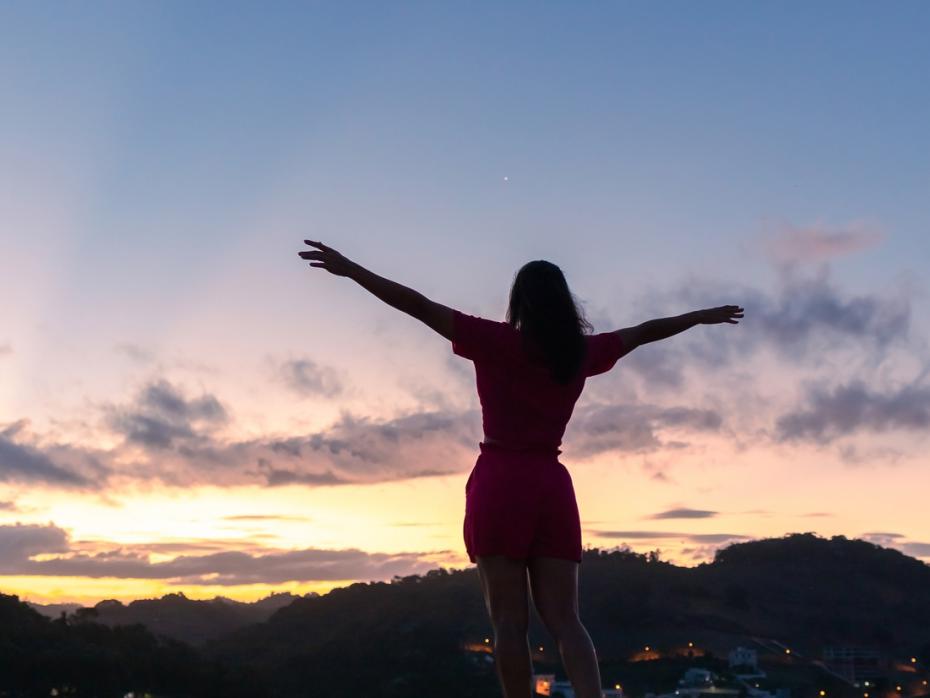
(474, 336)
(466, 321)
(603, 349)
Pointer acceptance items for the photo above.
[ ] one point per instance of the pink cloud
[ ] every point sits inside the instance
(816, 243)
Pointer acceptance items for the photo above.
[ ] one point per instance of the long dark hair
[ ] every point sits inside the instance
(549, 318)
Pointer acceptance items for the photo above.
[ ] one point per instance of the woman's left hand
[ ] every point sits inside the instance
(328, 259)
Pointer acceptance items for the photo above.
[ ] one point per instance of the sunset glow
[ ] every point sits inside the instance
(185, 406)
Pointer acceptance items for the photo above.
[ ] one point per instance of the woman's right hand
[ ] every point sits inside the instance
(328, 259)
(724, 313)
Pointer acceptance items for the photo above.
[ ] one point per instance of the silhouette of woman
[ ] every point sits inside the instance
(521, 522)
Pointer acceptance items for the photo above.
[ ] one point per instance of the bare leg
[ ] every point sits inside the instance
(507, 599)
(554, 584)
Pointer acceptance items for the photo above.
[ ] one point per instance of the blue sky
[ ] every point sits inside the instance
(163, 161)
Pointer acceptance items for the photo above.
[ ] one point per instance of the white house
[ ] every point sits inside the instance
(696, 676)
(740, 656)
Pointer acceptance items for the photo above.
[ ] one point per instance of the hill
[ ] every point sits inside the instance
(799, 591)
(54, 610)
(180, 618)
(425, 635)
(42, 657)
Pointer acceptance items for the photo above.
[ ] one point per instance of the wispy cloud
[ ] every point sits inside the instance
(58, 465)
(684, 513)
(660, 365)
(308, 378)
(176, 439)
(136, 352)
(265, 517)
(634, 427)
(161, 417)
(180, 438)
(884, 539)
(818, 243)
(21, 541)
(805, 316)
(852, 407)
(20, 544)
(916, 549)
(649, 535)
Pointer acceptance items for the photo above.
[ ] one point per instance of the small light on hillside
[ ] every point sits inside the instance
(913, 660)
(647, 648)
(690, 644)
(897, 688)
(787, 651)
(823, 692)
(617, 686)
(540, 648)
(487, 640)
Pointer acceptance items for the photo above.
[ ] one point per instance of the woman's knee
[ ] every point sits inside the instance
(562, 624)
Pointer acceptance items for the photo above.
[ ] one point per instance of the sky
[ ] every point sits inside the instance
(187, 406)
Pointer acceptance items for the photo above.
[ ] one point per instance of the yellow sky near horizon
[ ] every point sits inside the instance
(772, 497)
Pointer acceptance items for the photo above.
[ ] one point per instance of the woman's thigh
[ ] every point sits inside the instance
(505, 587)
(554, 586)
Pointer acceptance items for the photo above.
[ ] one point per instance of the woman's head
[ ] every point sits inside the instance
(545, 311)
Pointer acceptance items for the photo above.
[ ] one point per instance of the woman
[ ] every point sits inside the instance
(521, 518)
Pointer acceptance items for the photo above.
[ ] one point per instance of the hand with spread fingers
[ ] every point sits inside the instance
(327, 258)
(723, 313)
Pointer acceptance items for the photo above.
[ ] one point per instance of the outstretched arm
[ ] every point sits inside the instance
(434, 315)
(661, 328)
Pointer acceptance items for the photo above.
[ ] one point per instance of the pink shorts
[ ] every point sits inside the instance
(521, 505)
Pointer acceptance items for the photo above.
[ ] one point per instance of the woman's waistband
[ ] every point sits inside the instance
(537, 451)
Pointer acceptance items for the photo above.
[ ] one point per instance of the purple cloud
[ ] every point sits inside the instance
(20, 544)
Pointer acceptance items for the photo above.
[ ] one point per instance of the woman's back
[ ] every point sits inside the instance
(522, 407)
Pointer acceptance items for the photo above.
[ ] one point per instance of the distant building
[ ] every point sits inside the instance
(743, 657)
(543, 684)
(546, 685)
(708, 691)
(695, 683)
(855, 662)
(695, 676)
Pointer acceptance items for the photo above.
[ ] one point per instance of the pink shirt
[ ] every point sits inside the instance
(522, 407)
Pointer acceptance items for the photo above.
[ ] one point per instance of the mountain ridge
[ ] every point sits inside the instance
(426, 634)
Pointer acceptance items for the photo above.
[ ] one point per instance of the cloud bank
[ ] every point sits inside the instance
(20, 544)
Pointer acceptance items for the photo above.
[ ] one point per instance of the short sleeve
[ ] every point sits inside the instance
(476, 337)
(603, 351)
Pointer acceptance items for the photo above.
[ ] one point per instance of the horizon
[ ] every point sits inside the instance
(185, 406)
(647, 556)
